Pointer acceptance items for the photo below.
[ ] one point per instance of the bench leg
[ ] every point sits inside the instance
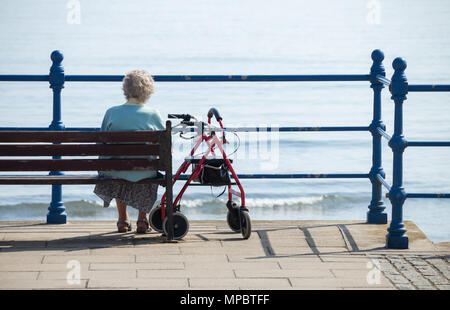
(56, 211)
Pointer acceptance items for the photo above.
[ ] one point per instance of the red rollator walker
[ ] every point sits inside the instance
(208, 170)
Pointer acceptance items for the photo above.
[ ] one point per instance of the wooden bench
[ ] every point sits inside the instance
(87, 143)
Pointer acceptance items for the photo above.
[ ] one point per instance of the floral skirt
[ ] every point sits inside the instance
(139, 196)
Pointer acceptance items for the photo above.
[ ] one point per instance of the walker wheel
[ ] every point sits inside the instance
(246, 226)
(233, 219)
(155, 219)
(180, 225)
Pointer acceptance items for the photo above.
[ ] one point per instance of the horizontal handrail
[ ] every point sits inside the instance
(286, 129)
(80, 164)
(199, 78)
(384, 80)
(36, 129)
(428, 143)
(24, 78)
(65, 136)
(383, 182)
(234, 129)
(297, 176)
(428, 88)
(426, 195)
(184, 177)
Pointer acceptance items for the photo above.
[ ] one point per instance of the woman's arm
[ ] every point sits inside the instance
(105, 121)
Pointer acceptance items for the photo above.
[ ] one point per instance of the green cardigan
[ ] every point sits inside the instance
(129, 117)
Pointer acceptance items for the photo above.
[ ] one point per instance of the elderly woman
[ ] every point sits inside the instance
(133, 115)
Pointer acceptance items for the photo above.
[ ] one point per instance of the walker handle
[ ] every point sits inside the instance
(213, 111)
(185, 117)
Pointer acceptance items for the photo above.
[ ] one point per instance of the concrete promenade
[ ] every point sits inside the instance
(280, 255)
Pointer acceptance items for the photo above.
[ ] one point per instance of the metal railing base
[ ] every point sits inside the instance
(374, 217)
(397, 242)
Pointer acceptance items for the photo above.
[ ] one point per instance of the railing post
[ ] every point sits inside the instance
(396, 237)
(56, 210)
(376, 214)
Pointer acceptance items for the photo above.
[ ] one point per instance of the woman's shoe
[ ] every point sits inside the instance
(123, 226)
(142, 226)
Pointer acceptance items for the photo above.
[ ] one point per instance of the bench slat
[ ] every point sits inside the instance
(78, 150)
(66, 179)
(80, 136)
(79, 164)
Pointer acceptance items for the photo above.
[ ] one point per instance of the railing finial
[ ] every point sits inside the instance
(56, 56)
(399, 64)
(56, 77)
(377, 69)
(399, 82)
(377, 55)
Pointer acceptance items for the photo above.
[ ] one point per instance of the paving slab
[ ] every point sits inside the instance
(217, 273)
(56, 259)
(284, 273)
(232, 266)
(18, 275)
(39, 267)
(136, 266)
(261, 283)
(216, 258)
(88, 274)
(143, 283)
(279, 255)
(337, 283)
(16, 284)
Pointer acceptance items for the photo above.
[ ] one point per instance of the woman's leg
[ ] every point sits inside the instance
(122, 209)
(142, 216)
(123, 224)
(142, 223)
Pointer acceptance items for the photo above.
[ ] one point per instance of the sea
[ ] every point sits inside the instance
(243, 37)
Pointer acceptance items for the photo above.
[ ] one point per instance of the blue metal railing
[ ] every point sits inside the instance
(399, 87)
(377, 79)
(195, 78)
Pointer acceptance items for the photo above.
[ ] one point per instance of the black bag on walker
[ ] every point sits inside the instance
(215, 172)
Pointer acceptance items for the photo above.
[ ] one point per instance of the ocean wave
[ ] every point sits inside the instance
(272, 202)
(212, 201)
